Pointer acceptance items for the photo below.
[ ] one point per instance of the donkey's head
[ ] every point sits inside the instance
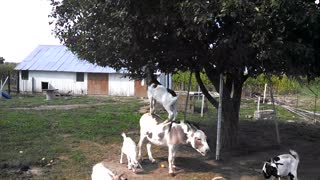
(198, 140)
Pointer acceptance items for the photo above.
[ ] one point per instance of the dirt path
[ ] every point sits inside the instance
(63, 107)
(257, 141)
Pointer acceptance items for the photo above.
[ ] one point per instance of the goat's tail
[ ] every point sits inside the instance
(123, 135)
(294, 154)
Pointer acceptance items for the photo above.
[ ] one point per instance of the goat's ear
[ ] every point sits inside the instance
(122, 178)
(267, 162)
(115, 173)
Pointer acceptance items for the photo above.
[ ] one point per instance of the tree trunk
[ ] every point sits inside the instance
(230, 126)
(230, 105)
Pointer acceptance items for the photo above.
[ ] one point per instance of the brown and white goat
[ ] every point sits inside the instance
(170, 134)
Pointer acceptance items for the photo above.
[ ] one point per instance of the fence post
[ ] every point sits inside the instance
(218, 145)
(18, 83)
(9, 82)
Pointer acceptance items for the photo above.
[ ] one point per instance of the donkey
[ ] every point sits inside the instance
(170, 134)
(158, 93)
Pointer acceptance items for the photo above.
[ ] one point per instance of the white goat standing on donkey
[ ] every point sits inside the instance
(129, 148)
(158, 93)
(101, 172)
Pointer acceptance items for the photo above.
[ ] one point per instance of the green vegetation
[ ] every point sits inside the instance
(181, 81)
(27, 136)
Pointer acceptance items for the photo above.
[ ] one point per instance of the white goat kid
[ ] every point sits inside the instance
(170, 134)
(129, 148)
(284, 165)
(101, 172)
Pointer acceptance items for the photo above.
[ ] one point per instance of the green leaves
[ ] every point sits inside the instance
(265, 36)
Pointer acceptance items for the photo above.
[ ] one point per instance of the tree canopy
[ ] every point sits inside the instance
(239, 38)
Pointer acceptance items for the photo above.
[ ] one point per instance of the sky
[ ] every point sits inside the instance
(24, 24)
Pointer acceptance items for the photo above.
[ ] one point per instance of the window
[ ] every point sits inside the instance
(44, 85)
(80, 77)
(25, 75)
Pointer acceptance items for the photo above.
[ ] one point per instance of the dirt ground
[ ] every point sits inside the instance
(257, 144)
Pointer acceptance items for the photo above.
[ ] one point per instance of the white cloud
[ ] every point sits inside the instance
(24, 26)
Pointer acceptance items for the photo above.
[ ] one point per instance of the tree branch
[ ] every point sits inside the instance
(205, 90)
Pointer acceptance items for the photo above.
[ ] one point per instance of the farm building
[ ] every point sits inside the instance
(55, 67)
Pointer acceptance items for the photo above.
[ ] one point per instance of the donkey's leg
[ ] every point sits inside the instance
(171, 159)
(150, 153)
(174, 151)
(142, 138)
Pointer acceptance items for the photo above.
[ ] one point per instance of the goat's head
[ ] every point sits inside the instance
(269, 169)
(119, 177)
(136, 167)
(198, 141)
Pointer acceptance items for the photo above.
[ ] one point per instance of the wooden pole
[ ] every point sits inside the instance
(274, 111)
(9, 82)
(187, 100)
(315, 108)
(258, 105)
(218, 146)
(18, 82)
(202, 105)
(264, 93)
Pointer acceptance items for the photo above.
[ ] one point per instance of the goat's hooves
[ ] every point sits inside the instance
(153, 161)
(172, 174)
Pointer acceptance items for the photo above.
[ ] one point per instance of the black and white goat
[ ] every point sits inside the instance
(101, 172)
(158, 93)
(129, 148)
(284, 165)
(170, 134)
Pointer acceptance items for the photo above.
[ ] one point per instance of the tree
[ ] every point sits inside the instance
(239, 39)
(1, 60)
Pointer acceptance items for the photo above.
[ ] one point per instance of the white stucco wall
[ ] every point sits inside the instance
(63, 81)
(120, 86)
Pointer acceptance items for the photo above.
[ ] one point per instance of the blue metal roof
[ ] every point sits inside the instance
(58, 58)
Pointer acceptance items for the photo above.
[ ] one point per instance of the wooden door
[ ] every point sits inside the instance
(140, 88)
(97, 84)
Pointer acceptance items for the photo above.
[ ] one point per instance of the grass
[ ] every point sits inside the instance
(28, 101)
(65, 143)
(28, 136)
